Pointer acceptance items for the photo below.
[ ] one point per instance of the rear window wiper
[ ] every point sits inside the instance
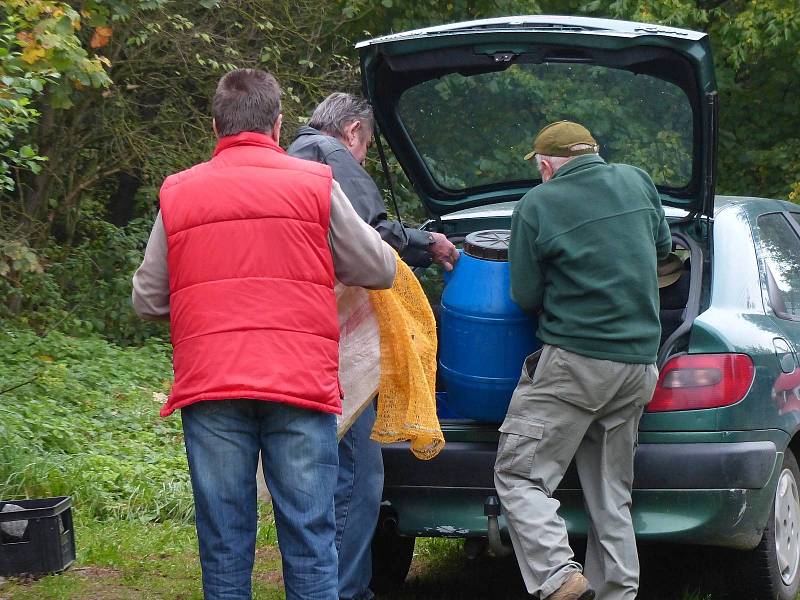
(523, 25)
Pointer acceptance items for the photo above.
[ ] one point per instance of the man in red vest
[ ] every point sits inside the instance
(242, 260)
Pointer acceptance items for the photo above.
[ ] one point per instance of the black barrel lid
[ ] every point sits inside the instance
(491, 244)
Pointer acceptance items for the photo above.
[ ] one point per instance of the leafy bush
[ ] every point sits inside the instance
(95, 281)
(79, 417)
(78, 290)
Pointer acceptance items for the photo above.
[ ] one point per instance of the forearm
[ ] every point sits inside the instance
(150, 295)
(360, 256)
(413, 245)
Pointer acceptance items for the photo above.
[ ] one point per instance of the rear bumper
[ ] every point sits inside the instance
(705, 493)
(744, 465)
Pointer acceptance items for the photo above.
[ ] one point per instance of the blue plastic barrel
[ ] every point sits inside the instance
(484, 335)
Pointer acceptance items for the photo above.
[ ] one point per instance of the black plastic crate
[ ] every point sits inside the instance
(47, 544)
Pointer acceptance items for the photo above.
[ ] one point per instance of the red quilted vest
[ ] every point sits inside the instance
(252, 306)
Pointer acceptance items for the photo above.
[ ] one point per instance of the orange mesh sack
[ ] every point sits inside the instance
(407, 390)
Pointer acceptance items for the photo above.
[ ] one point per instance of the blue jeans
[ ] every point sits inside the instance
(223, 441)
(358, 502)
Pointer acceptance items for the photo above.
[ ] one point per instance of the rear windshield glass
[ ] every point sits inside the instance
(474, 130)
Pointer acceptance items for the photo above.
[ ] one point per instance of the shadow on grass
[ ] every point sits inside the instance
(441, 571)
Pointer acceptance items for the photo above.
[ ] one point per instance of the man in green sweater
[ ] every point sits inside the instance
(583, 253)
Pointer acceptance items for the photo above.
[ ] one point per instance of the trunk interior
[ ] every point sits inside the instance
(680, 304)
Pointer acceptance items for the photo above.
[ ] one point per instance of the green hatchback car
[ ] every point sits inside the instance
(716, 462)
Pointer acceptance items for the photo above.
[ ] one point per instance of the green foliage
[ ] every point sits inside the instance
(94, 282)
(377, 18)
(474, 130)
(16, 259)
(39, 52)
(79, 290)
(17, 114)
(79, 417)
(165, 59)
(757, 64)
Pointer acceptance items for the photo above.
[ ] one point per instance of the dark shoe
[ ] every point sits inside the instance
(574, 588)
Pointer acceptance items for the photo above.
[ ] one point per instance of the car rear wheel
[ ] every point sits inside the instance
(772, 570)
(391, 557)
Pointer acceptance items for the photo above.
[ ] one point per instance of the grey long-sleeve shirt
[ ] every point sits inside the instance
(360, 258)
(412, 244)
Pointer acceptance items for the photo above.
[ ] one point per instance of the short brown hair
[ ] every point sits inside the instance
(246, 100)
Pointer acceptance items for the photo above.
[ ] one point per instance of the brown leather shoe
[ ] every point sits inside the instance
(574, 588)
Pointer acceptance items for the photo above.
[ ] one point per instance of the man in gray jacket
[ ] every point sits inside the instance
(339, 134)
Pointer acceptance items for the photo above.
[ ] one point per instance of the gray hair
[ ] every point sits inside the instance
(559, 161)
(246, 100)
(339, 110)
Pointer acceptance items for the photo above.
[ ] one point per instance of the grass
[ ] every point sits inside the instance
(121, 560)
(79, 417)
(127, 560)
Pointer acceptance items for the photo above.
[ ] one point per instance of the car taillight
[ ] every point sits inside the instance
(694, 381)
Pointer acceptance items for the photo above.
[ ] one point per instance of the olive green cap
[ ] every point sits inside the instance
(557, 138)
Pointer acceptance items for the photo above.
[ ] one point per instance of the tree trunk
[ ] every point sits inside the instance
(121, 204)
(36, 202)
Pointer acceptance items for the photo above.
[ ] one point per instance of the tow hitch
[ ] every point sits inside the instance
(491, 508)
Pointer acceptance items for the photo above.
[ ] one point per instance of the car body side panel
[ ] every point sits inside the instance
(740, 297)
(735, 322)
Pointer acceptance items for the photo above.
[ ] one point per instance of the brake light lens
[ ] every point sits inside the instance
(696, 381)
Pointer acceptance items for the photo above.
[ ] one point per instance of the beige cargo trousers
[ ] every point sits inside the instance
(589, 409)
